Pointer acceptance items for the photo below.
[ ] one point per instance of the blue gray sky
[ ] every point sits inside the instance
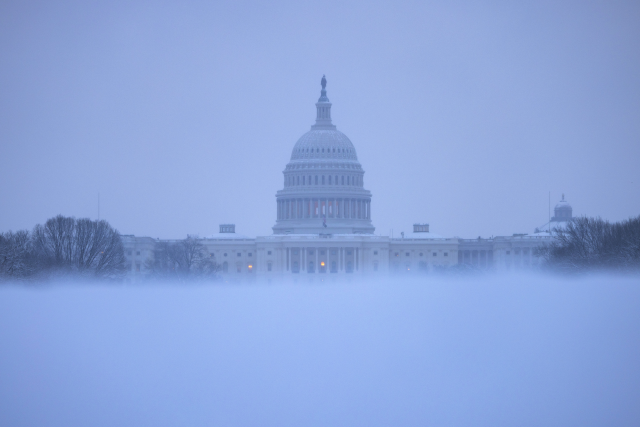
(182, 115)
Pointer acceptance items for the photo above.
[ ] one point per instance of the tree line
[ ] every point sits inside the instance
(62, 247)
(589, 244)
(65, 247)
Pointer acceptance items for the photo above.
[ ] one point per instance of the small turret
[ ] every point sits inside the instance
(563, 211)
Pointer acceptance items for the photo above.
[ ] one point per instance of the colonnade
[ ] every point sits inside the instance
(323, 260)
(479, 258)
(324, 208)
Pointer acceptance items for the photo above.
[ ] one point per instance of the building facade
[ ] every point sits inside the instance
(324, 226)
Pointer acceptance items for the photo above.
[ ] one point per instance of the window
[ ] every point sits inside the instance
(446, 254)
(375, 252)
(342, 179)
(375, 266)
(225, 254)
(316, 179)
(239, 254)
(322, 179)
(396, 254)
(334, 267)
(295, 252)
(268, 253)
(310, 268)
(348, 252)
(225, 266)
(303, 180)
(250, 254)
(249, 268)
(329, 179)
(129, 253)
(137, 252)
(311, 252)
(239, 268)
(334, 252)
(420, 253)
(407, 254)
(298, 181)
(508, 252)
(268, 266)
(435, 254)
(137, 266)
(321, 252)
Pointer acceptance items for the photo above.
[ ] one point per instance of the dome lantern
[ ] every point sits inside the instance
(323, 109)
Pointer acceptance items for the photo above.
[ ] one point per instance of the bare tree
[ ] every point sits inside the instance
(85, 247)
(183, 259)
(593, 243)
(17, 260)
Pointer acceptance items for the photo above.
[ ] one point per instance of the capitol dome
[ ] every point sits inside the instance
(319, 144)
(323, 182)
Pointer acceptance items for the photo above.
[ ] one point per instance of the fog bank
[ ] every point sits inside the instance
(503, 351)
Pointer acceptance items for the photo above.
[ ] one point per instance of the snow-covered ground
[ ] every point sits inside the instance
(500, 352)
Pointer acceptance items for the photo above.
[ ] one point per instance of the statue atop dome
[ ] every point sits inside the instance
(323, 82)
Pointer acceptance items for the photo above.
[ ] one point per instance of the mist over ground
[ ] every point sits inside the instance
(492, 351)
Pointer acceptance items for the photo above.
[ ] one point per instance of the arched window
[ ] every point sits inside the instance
(329, 179)
(298, 179)
(316, 179)
(322, 179)
(303, 181)
(342, 179)
(336, 181)
(323, 150)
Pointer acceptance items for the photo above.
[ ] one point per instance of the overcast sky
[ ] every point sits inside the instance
(183, 115)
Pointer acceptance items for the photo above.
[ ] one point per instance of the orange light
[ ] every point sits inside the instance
(250, 266)
(322, 264)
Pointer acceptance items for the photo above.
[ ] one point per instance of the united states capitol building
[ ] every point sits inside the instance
(324, 226)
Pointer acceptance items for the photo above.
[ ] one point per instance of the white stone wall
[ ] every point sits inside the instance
(297, 256)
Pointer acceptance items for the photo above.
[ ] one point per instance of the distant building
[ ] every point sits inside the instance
(324, 225)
